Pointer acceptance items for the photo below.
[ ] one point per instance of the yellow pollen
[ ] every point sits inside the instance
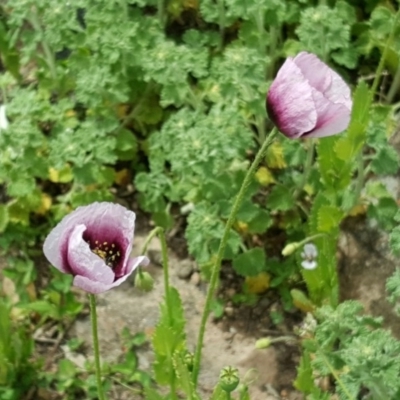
(110, 256)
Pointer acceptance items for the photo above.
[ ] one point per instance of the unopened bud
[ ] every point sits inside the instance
(144, 281)
(263, 343)
(290, 249)
(229, 379)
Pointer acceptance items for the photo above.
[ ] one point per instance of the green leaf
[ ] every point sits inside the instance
(384, 212)
(360, 116)
(126, 146)
(280, 198)
(261, 222)
(335, 172)
(329, 218)
(385, 161)
(305, 379)
(250, 263)
(381, 21)
(42, 307)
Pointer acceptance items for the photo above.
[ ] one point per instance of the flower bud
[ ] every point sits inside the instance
(229, 379)
(290, 248)
(263, 343)
(144, 281)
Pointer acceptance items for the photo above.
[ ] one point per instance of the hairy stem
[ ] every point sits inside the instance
(221, 250)
(93, 317)
(164, 251)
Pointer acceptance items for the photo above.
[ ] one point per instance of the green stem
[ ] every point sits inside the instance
(164, 251)
(384, 54)
(360, 177)
(307, 168)
(221, 250)
(394, 87)
(93, 317)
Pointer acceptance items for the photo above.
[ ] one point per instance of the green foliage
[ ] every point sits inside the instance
(250, 263)
(174, 92)
(17, 373)
(326, 31)
(353, 348)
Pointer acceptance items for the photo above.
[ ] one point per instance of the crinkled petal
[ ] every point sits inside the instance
(55, 247)
(84, 262)
(339, 92)
(290, 103)
(99, 287)
(332, 118)
(318, 74)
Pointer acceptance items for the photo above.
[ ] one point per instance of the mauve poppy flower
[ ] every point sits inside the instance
(94, 244)
(308, 99)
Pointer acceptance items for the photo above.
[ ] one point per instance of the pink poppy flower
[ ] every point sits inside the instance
(308, 99)
(94, 244)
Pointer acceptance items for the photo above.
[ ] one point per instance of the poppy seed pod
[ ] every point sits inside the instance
(94, 244)
(308, 99)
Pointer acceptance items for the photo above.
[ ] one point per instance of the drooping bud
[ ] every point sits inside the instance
(263, 343)
(290, 248)
(144, 281)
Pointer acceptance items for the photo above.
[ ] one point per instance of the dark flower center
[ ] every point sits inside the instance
(109, 252)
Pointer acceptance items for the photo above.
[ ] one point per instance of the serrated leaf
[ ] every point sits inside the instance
(335, 172)
(250, 263)
(305, 379)
(184, 377)
(395, 240)
(360, 116)
(329, 218)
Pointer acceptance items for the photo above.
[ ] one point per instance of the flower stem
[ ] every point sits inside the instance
(164, 251)
(307, 168)
(221, 250)
(93, 317)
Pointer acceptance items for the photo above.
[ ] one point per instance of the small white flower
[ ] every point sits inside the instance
(3, 118)
(309, 256)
